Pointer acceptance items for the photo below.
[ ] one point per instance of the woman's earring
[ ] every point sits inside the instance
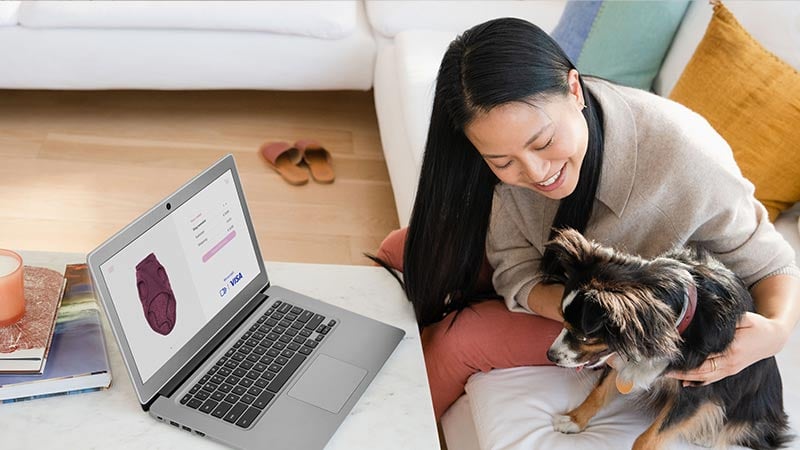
(583, 106)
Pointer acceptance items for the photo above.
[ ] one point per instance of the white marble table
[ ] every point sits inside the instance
(394, 413)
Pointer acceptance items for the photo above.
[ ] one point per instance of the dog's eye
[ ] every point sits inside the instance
(581, 338)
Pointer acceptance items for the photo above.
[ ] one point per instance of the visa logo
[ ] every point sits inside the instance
(236, 279)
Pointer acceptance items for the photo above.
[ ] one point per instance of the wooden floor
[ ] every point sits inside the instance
(75, 167)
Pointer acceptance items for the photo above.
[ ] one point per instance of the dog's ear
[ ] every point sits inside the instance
(644, 325)
(571, 250)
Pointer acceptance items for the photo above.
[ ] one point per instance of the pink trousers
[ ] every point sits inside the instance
(484, 337)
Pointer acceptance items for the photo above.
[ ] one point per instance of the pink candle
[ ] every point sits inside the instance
(12, 290)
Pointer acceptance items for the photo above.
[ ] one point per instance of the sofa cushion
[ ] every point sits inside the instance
(623, 42)
(752, 98)
(513, 409)
(320, 19)
(389, 18)
(8, 13)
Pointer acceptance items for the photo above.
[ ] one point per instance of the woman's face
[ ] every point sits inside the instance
(537, 147)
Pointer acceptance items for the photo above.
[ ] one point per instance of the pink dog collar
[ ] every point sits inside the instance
(689, 307)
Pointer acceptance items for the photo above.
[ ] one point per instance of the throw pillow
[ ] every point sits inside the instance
(752, 98)
(624, 42)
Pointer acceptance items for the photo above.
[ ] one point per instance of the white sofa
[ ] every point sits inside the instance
(395, 47)
(511, 409)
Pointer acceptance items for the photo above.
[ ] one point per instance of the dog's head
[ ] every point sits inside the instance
(613, 303)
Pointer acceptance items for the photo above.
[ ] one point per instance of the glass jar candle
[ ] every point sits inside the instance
(12, 289)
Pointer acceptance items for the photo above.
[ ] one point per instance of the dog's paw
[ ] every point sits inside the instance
(565, 424)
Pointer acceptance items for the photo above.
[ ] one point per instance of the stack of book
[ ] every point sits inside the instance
(58, 348)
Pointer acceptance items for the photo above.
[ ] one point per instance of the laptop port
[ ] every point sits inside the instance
(174, 424)
(199, 433)
(186, 428)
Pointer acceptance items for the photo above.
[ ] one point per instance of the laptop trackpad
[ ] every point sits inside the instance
(328, 383)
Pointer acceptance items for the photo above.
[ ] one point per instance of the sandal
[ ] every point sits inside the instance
(318, 159)
(285, 159)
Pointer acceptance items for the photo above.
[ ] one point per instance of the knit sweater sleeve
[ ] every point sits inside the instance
(738, 231)
(715, 206)
(514, 259)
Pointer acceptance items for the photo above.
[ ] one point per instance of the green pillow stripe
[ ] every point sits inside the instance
(627, 40)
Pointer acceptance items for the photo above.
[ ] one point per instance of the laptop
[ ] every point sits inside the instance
(210, 345)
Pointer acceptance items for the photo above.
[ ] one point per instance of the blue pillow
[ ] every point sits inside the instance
(621, 41)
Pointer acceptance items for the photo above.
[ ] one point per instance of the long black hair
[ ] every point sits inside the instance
(494, 63)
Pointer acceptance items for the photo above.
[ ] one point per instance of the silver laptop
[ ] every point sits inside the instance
(211, 346)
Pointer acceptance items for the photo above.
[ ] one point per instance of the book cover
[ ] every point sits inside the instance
(77, 361)
(24, 345)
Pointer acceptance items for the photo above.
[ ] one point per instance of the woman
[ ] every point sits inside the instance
(519, 144)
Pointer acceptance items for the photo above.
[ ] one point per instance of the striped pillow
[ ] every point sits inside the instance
(621, 41)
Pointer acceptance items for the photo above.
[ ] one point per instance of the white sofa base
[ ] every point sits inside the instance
(458, 426)
(187, 59)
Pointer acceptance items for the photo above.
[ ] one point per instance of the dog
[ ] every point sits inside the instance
(668, 313)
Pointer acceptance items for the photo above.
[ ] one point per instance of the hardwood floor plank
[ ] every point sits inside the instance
(364, 244)
(302, 247)
(62, 234)
(76, 166)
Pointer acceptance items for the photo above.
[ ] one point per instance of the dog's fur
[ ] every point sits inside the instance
(624, 304)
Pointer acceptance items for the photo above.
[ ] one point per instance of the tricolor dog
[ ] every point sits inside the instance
(668, 313)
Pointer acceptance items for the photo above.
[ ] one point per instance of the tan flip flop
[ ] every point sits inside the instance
(318, 159)
(285, 159)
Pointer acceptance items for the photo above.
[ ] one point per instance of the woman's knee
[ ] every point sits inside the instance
(391, 249)
(393, 246)
(464, 337)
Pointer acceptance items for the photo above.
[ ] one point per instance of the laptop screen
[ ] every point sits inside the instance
(175, 277)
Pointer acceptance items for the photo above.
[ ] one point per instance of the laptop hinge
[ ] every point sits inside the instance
(190, 367)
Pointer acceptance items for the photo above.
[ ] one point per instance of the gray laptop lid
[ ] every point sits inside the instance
(178, 274)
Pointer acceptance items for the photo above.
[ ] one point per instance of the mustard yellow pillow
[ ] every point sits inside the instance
(752, 98)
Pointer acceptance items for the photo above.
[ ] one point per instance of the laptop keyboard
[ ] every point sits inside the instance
(246, 380)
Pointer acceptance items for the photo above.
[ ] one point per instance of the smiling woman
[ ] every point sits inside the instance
(521, 145)
(543, 120)
(548, 160)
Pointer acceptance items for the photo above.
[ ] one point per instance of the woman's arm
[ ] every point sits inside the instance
(512, 255)
(758, 336)
(726, 219)
(777, 298)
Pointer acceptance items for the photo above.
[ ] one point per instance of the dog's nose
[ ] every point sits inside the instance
(551, 355)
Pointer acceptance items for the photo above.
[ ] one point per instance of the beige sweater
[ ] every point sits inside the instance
(668, 179)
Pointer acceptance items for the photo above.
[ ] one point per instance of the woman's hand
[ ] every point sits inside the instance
(756, 338)
(545, 300)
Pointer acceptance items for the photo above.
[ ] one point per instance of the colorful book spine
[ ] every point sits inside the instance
(77, 361)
